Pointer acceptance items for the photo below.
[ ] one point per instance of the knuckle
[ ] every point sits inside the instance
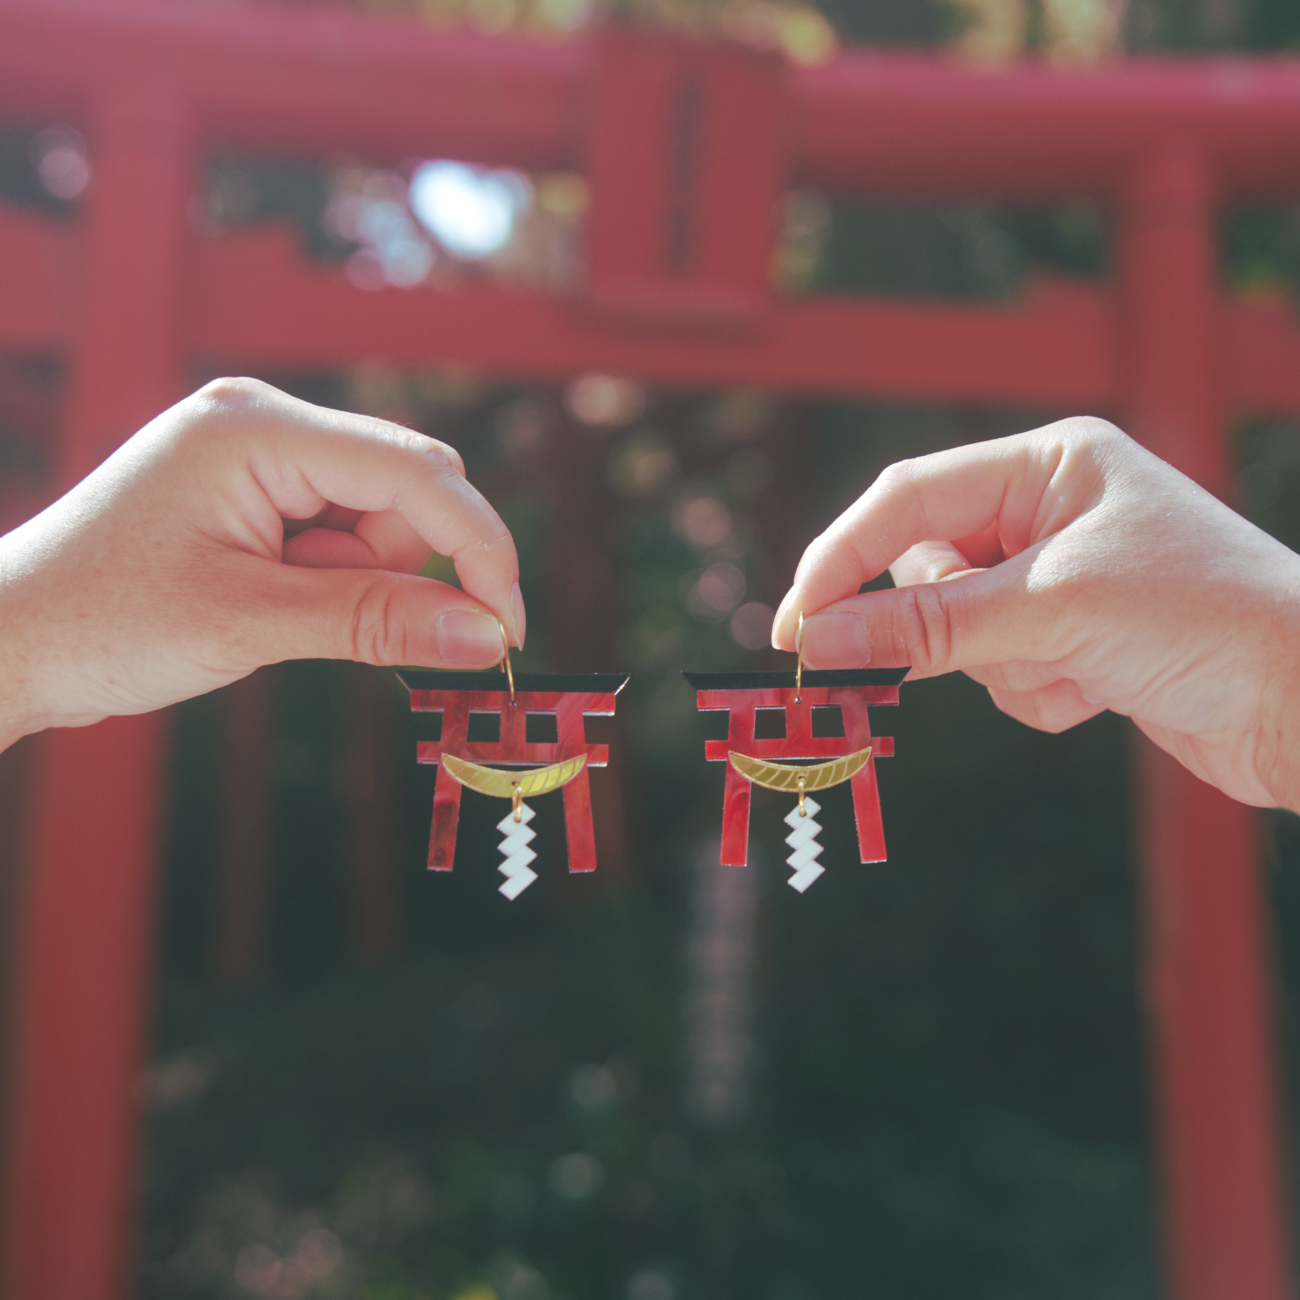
(896, 476)
(234, 393)
(377, 633)
(223, 407)
(211, 416)
(900, 484)
(436, 458)
(928, 626)
(1094, 432)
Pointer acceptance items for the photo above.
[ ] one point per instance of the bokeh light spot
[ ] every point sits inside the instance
(470, 211)
(751, 625)
(650, 1284)
(61, 160)
(604, 401)
(720, 588)
(576, 1177)
(702, 522)
(593, 1087)
(643, 466)
(567, 15)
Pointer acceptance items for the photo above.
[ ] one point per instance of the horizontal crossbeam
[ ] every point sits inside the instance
(258, 302)
(313, 80)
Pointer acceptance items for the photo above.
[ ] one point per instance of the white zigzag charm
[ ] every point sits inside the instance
(517, 834)
(803, 840)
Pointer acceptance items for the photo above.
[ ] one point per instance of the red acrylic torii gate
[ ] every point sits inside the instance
(569, 700)
(128, 297)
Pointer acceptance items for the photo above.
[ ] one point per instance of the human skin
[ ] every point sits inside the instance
(1070, 571)
(244, 527)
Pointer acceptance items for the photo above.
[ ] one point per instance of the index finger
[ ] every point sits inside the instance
(942, 497)
(368, 464)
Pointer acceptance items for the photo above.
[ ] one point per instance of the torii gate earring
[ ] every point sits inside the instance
(805, 701)
(506, 766)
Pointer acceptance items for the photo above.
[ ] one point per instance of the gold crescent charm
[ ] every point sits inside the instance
(505, 784)
(786, 776)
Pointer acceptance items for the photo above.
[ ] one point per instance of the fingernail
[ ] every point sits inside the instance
(517, 615)
(468, 638)
(836, 641)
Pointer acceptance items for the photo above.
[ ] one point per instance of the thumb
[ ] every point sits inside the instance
(973, 618)
(371, 615)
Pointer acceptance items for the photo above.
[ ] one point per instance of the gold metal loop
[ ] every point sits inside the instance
(798, 674)
(801, 781)
(517, 801)
(505, 667)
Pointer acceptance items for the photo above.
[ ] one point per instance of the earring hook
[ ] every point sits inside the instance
(505, 660)
(798, 668)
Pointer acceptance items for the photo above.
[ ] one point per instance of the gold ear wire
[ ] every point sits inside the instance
(798, 668)
(505, 662)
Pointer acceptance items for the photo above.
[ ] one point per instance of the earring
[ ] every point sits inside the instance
(820, 761)
(513, 767)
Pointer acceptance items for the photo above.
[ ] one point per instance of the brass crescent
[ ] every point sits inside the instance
(785, 776)
(502, 783)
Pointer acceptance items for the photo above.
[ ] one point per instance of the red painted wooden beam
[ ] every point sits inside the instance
(922, 127)
(312, 80)
(304, 79)
(260, 304)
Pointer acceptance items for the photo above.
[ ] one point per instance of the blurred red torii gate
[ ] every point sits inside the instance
(686, 148)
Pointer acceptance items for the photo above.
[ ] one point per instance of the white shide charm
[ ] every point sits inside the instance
(517, 832)
(803, 840)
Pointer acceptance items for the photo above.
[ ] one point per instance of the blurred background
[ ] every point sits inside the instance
(668, 1081)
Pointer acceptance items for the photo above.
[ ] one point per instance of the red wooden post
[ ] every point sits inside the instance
(686, 160)
(1207, 940)
(97, 810)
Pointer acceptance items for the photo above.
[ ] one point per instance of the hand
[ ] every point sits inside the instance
(244, 527)
(1070, 571)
